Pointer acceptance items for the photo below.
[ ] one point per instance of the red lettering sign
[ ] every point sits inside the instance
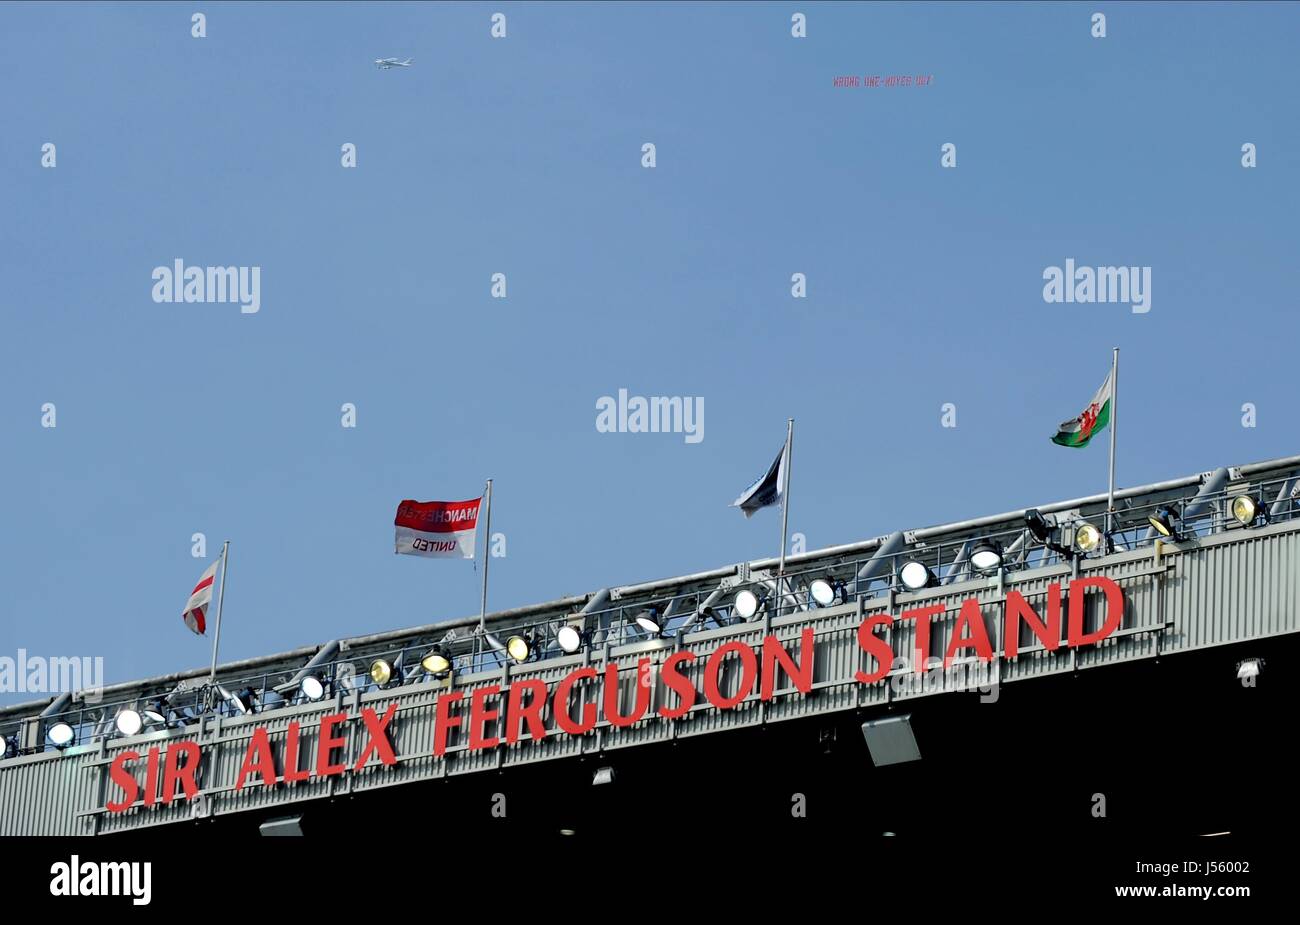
(524, 703)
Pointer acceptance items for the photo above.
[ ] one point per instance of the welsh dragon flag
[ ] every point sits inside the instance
(1094, 418)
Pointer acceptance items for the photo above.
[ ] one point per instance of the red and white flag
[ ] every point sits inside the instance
(437, 529)
(196, 610)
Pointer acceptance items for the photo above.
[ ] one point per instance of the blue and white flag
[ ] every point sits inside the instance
(768, 489)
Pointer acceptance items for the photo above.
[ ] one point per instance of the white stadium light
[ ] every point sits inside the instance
(746, 604)
(312, 688)
(129, 722)
(242, 701)
(569, 638)
(649, 621)
(986, 557)
(62, 735)
(822, 592)
(916, 575)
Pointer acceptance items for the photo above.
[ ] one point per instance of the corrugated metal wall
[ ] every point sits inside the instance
(1228, 588)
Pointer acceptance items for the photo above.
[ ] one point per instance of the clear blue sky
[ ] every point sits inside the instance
(522, 156)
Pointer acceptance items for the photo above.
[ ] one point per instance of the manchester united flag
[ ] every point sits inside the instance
(437, 529)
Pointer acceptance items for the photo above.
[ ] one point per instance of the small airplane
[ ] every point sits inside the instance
(385, 63)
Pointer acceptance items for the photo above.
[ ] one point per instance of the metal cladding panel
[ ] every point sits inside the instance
(1231, 587)
(42, 795)
(1242, 584)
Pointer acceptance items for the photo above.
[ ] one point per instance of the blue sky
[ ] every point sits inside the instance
(523, 156)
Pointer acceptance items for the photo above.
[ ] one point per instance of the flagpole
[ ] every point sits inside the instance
(216, 637)
(785, 513)
(487, 540)
(1114, 418)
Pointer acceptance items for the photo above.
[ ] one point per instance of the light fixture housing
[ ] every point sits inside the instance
(569, 637)
(382, 671)
(650, 621)
(312, 687)
(1249, 668)
(437, 662)
(129, 722)
(1087, 537)
(602, 776)
(986, 556)
(746, 604)
(1163, 523)
(156, 713)
(1037, 524)
(916, 575)
(243, 701)
(826, 592)
(8, 747)
(61, 735)
(1246, 510)
(519, 647)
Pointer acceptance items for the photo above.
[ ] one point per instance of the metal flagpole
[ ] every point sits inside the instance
(785, 513)
(487, 539)
(1114, 415)
(216, 637)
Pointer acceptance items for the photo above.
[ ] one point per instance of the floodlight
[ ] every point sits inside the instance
(1246, 509)
(1163, 522)
(437, 662)
(986, 556)
(826, 592)
(382, 671)
(519, 647)
(1037, 524)
(156, 713)
(650, 621)
(746, 604)
(1249, 668)
(129, 722)
(916, 575)
(312, 688)
(1087, 537)
(569, 637)
(62, 735)
(243, 701)
(603, 776)
(8, 747)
